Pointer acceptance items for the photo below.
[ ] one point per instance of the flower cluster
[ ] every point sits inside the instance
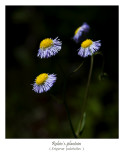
(50, 47)
(88, 47)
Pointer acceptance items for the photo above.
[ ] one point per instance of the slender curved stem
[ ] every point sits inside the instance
(86, 95)
(67, 109)
(64, 99)
(78, 67)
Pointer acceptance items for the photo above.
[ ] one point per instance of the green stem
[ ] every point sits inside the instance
(64, 100)
(78, 67)
(86, 95)
(67, 110)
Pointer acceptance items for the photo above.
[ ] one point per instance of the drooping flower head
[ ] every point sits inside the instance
(80, 30)
(88, 47)
(49, 47)
(44, 82)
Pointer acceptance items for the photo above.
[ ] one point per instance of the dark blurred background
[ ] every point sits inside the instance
(31, 115)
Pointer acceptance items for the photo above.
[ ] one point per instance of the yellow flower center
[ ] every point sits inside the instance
(86, 43)
(46, 43)
(76, 31)
(41, 78)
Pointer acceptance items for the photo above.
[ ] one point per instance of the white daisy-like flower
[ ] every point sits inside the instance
(88, 47)
(44, 82)
(80, 30)
(49, 47)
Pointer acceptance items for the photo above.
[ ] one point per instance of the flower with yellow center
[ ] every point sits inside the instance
(79, 31)
(44, 82)
(49, 47)
(89, 47)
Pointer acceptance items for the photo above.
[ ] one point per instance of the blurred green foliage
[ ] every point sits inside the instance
(31, 115)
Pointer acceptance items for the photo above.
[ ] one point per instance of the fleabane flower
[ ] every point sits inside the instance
(80, 30)
(49, 47)
(44, 82)
(89, 47)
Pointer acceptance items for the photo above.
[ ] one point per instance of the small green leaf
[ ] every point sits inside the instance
(81, 128)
